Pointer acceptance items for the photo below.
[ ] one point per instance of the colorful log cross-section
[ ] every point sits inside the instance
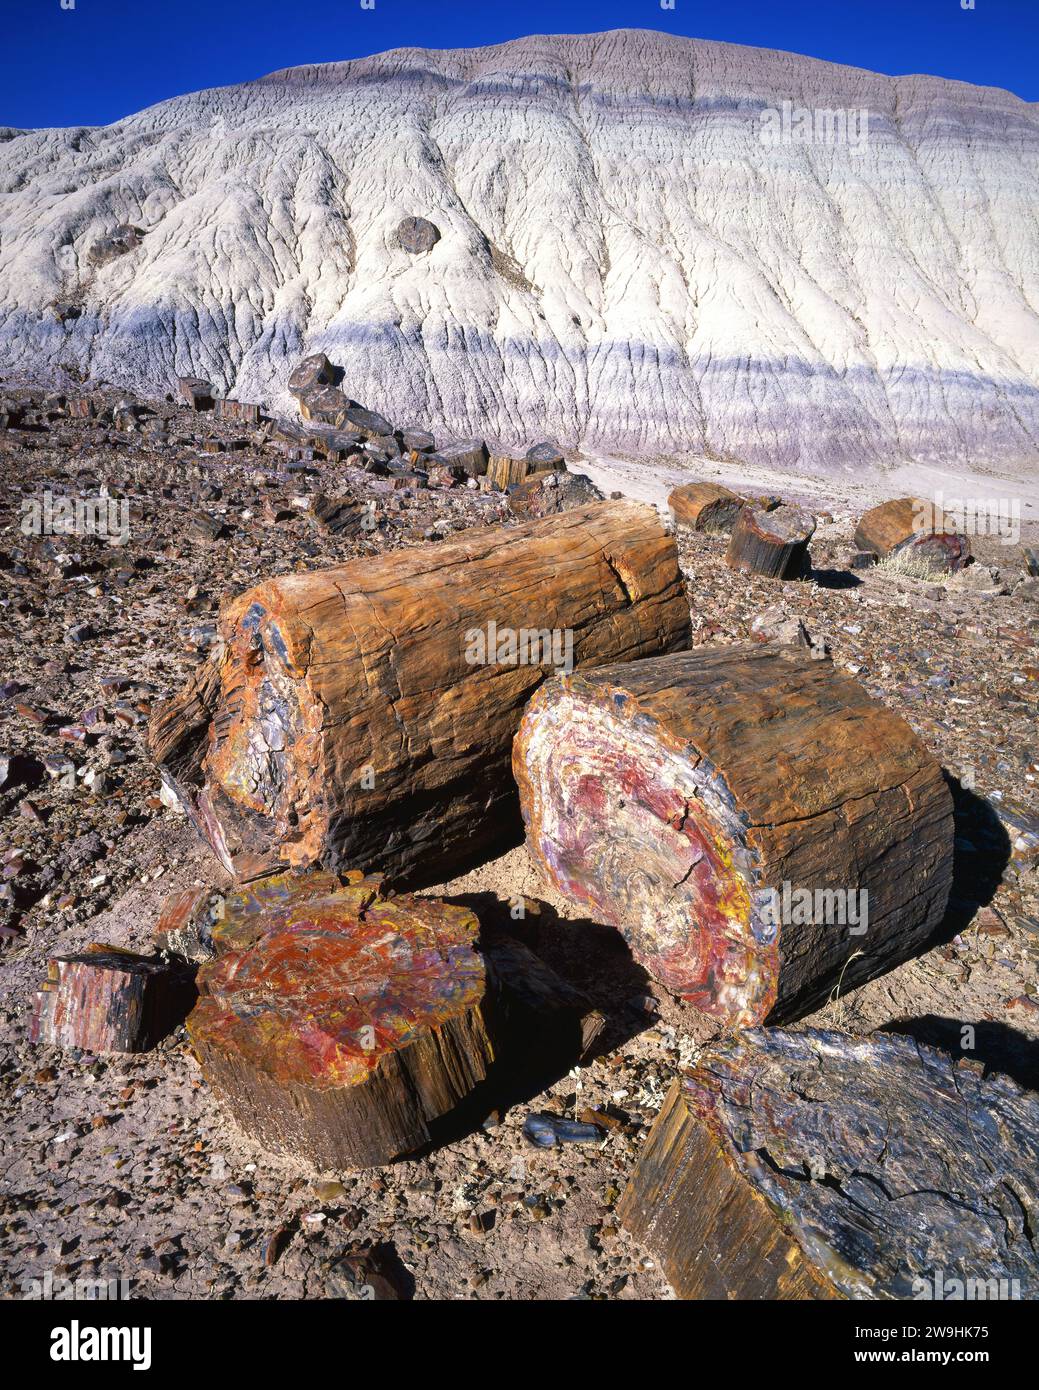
(689, 799)
(337, 1026)
(819, 1166)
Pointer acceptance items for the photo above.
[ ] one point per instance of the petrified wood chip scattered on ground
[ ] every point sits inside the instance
(366, 713)
(106, 999)
(915, 526)
(817, 1166)
(671, 798)
(338, 1026)
(704, 507)
(771, 543)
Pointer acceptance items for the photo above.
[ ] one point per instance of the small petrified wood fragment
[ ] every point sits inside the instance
(771, 543)
(340, 516)
(345, 1025)
(819, 1166)
(705, 507)
(366, 712)
(727, 809)
(913, 526)
(109, 1000)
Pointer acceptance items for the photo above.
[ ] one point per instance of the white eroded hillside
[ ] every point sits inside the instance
(623, 261)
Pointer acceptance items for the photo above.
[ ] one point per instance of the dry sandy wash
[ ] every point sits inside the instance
(624, 263)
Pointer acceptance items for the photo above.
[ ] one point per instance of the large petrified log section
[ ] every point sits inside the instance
(771, 543)
(365, 714)
(915, 526)
(338, 1026)
(817, 1166)
(341, 1027)
(727, 809)
(705, 507)
(106, 999)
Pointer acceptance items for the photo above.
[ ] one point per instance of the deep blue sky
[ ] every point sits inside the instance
(108, 58)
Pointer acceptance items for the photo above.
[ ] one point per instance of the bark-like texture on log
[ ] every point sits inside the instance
(106, 999)
(915, 525)
(771, 543)
(670, 797)
(337, 1026)
(815, 1165)
(355, 726)
(705, 507)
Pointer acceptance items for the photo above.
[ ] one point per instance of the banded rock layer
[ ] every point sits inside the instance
(623, 261)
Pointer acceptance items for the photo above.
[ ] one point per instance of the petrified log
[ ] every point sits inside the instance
(341, 1026)
(195, 392)
(818, 1166)
(504, 470)
(418, 441)
(240, 412)
(368, 423)
(110, 1000)
(705, 507)
(771, 543)
(311, 372)
(544, 456)
(324, 405)
(367, 712)
(471, 454)
(756, 826)
(417, 234)
(543, 494)
(916, 527)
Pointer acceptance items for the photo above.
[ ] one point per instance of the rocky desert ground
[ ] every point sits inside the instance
(125, 1167)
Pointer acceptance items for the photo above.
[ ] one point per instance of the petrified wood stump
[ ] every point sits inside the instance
(109, 1000)
(366, 713)
(705, 507)
(726, 809)
(337, 1026)
(818, 1166)
(771, 543)
(324, 405)
(915, 526)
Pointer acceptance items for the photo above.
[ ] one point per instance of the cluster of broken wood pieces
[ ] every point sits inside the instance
(347, 1022)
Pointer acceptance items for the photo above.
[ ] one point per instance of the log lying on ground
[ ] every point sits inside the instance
(337, 1027)
(705, 507)
(366, 713)
(771, 543)
(726, 809)
(818, 1166)
(109, 1000)
(913, 527)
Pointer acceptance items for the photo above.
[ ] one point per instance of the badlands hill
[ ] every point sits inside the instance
(625, 262)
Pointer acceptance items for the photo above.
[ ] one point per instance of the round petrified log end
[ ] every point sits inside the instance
(416, 235)
(337, 1025)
